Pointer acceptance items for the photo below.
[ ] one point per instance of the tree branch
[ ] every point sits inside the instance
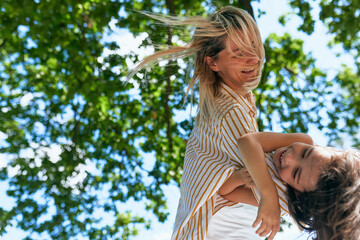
(3, 43)
(245, 4)
(169, 72)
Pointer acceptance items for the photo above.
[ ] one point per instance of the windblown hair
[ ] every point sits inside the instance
(332, 210)
(209, 39)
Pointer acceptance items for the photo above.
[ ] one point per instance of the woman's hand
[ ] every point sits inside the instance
(244, 176)
(239, 178)
(269, 216)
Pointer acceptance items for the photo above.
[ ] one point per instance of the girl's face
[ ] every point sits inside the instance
(299, 164)
(235, 66)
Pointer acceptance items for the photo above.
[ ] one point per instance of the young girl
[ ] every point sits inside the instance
(324, 183)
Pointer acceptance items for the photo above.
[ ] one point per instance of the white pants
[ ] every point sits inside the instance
(232, 223)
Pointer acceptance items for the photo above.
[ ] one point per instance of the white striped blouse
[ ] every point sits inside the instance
(211, 157)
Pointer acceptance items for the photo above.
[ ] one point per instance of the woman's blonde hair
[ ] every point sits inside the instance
(208, 40)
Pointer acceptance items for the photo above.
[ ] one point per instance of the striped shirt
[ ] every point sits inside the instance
(211, 157)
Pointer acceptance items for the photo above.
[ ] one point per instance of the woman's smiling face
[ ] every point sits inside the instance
(235, 66)
(300, 164)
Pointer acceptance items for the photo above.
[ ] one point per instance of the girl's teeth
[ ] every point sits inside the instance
(281, 156)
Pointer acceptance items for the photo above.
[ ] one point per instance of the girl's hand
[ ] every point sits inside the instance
(269, 216)
(244, 177)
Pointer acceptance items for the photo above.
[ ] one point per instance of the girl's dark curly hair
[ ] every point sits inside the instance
(332, 211)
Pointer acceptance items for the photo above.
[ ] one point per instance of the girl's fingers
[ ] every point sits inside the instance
(257, 221)
(273, 233)
(263, 228)
(264, 233)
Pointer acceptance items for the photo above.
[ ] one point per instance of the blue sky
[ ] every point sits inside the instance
(268, 23)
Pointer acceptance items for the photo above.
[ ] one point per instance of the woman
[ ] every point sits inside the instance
(229, 57)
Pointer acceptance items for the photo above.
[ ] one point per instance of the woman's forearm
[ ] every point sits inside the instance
(231, 183)
(242, 195)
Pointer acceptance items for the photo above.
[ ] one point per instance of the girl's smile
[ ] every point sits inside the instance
(300, 164)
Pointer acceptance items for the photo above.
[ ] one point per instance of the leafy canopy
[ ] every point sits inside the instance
(74, 131)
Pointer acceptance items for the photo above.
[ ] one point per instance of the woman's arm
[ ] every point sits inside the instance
(231, 183)
(242, 195)
(239, 178)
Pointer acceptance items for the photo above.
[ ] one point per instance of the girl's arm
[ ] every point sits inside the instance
(252, 154)
(252, 147)
(271, 141)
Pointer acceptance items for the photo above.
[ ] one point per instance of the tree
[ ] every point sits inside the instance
(342, 20)
(64, 90)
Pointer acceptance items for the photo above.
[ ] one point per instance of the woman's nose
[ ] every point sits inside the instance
(252, 60)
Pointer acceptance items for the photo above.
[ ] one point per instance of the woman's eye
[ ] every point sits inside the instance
(238, 54)
(253, 45)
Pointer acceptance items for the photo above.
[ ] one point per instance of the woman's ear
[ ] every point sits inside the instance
(211, 63)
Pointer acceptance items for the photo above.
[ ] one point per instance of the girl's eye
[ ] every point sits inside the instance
(303, 153)
(295, 172)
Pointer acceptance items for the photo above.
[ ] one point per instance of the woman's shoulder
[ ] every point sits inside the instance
(227, 105)
(228, 101)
